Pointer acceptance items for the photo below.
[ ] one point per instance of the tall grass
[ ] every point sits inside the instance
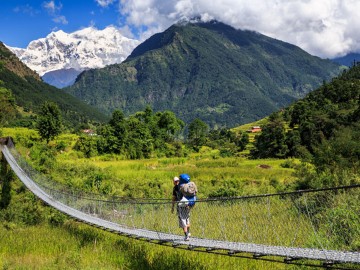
(47, 247)
(77, 246)
(245, 176)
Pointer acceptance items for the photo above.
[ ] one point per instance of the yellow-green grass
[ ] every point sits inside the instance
(209, 174)
(19, 132)
(47, 247)
(77, 246)
(51, 248)
(267, 221)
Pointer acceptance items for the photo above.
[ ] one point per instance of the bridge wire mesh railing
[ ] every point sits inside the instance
(326, 219)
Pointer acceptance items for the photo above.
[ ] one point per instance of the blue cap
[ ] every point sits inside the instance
(184, 178)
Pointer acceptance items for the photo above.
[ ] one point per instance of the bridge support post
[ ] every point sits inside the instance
(3, 140)
(6, 176)
(3, 164)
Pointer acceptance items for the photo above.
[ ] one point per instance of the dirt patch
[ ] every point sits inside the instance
(264, 166)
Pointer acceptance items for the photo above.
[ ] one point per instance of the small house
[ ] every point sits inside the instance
(89, 132)
(254, 129)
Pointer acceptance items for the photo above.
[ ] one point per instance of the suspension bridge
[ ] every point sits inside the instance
(292, 227)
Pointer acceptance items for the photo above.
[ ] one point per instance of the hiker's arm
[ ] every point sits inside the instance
(173, 204)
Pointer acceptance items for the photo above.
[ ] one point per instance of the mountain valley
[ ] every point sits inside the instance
(211, 71)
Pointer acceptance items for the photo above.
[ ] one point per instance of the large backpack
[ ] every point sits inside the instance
(191, 201)
(188, 189)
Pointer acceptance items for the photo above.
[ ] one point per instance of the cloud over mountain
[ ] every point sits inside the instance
(326, 28)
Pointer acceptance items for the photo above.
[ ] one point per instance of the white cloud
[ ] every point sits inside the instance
(54, 11)
(51, 7)
(60, 19)
(326, 28)
(104, 3)
(126, 31)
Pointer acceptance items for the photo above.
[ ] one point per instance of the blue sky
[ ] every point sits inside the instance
(326, 28)
(22, 21)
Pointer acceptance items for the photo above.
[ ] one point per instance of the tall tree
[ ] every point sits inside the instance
(271, 142)
(139, 143)
(169, 124)
(198, 130)
(7, 105)
(49, 123)
(120, 130)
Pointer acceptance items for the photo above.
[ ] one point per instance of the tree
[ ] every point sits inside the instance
(87, 145)
(148, 115)
(169, 124)
(340, 153)
(49, 123)
(120, 130)
(198, 131)
(271, 142)
(300, 112)
(117, 118)
(7, 105)
(139, 143)
(242, 140)
(309, 135)
(108, 142)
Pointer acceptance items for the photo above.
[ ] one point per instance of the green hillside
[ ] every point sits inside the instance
(323, 129)
(29, 92)
(211, 71)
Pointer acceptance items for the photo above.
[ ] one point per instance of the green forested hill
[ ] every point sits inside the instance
(30, 92)
(323, 128)
(209, 71)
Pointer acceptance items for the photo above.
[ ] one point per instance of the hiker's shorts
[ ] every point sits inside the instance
(184, 216)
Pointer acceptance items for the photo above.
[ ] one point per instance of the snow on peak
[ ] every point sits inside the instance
(82, 49)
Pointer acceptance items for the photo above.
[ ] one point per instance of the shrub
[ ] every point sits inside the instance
(60, 146)
(224, 192)
(56, 218)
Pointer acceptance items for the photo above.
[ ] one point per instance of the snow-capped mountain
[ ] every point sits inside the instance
(84, 49)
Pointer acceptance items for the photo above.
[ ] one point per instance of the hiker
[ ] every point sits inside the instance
(176, 195)
(188, 192)
(183, 214)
